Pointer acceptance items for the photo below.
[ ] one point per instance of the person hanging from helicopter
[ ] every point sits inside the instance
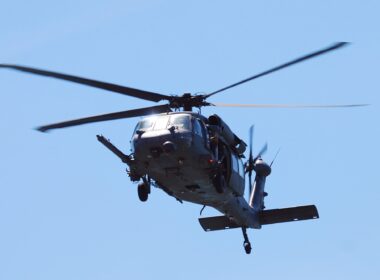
(220, 129)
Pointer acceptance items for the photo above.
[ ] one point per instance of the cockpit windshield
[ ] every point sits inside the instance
(179, 121)
(146, 124)
(161, 123)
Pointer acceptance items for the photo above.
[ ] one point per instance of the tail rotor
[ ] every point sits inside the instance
(249, 165)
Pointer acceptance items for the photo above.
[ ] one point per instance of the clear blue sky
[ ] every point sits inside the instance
(68, 209)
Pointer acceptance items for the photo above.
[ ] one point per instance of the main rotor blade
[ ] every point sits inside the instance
(142, 94)
(290, 106)
(108, 117)
(282, 66)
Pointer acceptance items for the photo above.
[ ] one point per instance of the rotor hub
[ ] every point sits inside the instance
(187, 101)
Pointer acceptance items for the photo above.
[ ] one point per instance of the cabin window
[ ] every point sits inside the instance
(235, 163)
(241, 168)
(197, 128)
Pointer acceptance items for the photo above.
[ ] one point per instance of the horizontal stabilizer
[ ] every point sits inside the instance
(299, 213)
(217, 223)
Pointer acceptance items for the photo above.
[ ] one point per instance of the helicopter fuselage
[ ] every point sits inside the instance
(176, 152)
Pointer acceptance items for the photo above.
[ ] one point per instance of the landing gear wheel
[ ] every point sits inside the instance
(247, 247)
(143, 191)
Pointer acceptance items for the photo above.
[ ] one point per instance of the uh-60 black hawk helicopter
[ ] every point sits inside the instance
(192, 157)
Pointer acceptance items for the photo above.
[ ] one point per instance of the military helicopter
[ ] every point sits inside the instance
(192, 157)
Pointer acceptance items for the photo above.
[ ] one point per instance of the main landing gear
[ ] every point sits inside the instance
(143, 189)
(246, 244)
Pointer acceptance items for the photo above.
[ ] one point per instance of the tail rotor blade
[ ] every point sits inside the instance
(250, 160)
(262, 151)
(278, 151)
(250, 183)
(251, 129)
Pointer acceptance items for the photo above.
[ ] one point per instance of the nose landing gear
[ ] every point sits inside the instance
(143, 190)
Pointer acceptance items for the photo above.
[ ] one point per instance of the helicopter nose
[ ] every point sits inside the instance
(169, 147)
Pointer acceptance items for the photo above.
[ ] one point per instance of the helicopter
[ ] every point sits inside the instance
(195, 158)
